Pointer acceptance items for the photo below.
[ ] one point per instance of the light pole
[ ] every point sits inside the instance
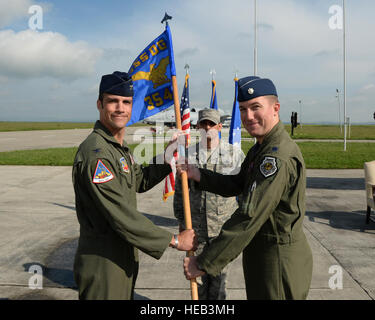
(300, 113)
(344, 44)
(255, 38)
(338, 99)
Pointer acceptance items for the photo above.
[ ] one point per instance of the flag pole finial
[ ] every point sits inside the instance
(235, 73)
(213, 72)
(166, 18)
(187, 68)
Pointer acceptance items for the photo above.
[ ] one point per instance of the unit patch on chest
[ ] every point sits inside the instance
(102, 173)
(124, 165)
(268, 166)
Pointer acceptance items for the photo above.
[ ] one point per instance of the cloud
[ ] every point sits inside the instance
(3, 79)
(93, 89)
(244, 35)
(13, 10)
(368, 88)
(31, 54)
(116, 53)
(4, 92)
(327, 53)
(265, 26)
(186, 53)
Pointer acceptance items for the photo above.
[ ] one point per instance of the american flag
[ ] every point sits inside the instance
(185, 124)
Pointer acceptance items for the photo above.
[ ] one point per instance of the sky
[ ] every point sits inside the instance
(52, 57)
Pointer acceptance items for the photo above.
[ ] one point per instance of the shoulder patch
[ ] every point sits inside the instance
(268, 167)
(102, 173)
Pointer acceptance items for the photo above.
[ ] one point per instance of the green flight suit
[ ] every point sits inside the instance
(106, 179)
(267, 227)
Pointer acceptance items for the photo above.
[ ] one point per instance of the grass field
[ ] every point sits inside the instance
(325, 155)
(27, 126)
(357, 132)
(317, 155)
(330, 155)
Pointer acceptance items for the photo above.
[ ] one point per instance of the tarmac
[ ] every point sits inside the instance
(39, 231)
(42, 139)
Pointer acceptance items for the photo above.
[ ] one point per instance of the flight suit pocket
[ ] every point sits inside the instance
(245, 204)
(247, 198)
(126, 179)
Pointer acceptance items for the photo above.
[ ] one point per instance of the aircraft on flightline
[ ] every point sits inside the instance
(168, 118)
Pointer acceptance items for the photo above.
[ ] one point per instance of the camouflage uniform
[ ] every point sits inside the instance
(209, 211)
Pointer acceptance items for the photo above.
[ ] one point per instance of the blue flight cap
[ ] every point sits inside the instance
(253, 87)
(118, 83)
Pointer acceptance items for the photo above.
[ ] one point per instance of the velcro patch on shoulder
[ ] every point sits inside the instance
(102, 173)
(268, 167)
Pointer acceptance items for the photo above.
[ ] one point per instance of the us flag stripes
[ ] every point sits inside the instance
(185, 123)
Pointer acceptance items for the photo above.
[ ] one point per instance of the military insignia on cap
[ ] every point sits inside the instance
(250, 90)
(268, 166)
(102, 173)
(124, 165)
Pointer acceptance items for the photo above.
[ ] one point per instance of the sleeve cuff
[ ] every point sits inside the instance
(201, 185)
(207, 267)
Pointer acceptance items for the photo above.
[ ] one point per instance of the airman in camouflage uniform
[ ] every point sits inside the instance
(209, 211)
(268, 225)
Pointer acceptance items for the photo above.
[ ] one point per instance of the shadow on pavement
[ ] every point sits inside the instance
(64, 206)
(58, 276)
(158, 220)
(335, 183)
(355, 220)
(58, 271)
(162, 221)
(61, 277)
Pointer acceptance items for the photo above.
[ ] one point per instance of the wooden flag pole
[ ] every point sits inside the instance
(185, 187)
